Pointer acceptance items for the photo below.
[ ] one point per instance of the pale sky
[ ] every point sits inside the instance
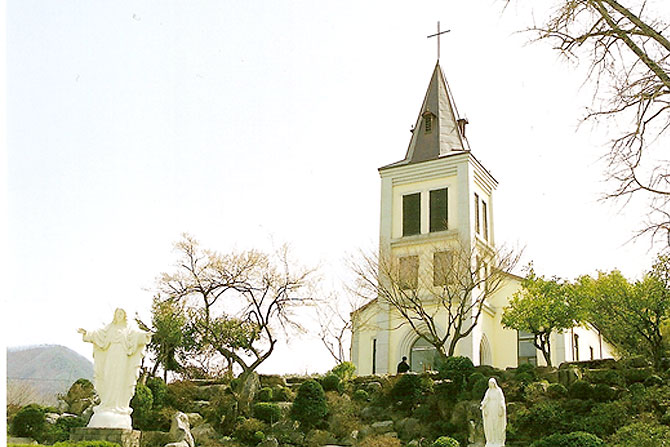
(248, 124)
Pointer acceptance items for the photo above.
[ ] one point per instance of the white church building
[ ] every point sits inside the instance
(438, 197)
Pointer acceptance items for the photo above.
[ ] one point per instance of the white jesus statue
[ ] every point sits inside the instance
(117, 354)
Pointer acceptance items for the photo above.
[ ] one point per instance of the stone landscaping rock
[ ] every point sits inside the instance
(567, 376)
(204, 433)
(23, 441)
(194, 419)
(373, 387)
(208, 392)
(248, 392)
(413, 443)
(154, 438)
(382, 427)
(271, 380)
(409, 428)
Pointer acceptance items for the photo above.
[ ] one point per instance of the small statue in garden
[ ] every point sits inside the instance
(180, 431)
(117, 354)
(494, 415)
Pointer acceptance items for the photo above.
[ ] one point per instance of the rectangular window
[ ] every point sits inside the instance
(527, 350)
(441, 267)
(428, 120)
(409, 272)
(485, 221)
(374, 356)
(476, 213)
(438, 210)
(411, 214)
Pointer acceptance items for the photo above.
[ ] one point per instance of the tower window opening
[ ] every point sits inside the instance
(428, 123)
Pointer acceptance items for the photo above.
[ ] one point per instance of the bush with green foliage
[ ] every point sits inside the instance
(479, 388)
(543, 418)
(345, 371)
(267, 412)
(81, 389)
(604, 418)
(309, 406)
(282, 394)
(264, 394)
(574, 439)
(602, 392)
(331, 382)
(141, 404)
(30, 422)
(86, 444)
(159, 392)
(525, 370)
(641, 434)
(446, 441)
(407, 390)
(556, 391)
(653, 380)
(250, 431)
(457, 369)
(360, 396)
(580, 389)
(60, 431)
(182, 395)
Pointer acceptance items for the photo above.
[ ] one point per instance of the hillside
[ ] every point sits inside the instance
(38, 373)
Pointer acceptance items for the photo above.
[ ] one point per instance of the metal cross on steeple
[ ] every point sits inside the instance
(438, 38)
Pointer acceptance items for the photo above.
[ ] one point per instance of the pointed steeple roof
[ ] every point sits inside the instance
(438, 130)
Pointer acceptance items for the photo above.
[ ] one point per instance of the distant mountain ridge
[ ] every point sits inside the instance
(37, 374)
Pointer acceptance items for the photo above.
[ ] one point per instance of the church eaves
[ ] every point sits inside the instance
(438, 131)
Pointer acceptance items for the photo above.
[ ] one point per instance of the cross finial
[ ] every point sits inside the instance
(438, 38)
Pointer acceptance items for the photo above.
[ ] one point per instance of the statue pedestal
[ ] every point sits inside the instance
(122, 436)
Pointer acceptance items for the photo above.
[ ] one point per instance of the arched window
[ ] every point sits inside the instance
(422, 356)
(485, 352)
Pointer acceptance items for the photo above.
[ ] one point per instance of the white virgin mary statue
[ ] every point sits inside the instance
(117, 354)
(494, 415)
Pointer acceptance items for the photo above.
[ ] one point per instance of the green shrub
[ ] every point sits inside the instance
(181, 395)
(556, 391)
(526, 369)
(264, 394)
(457, 369)
(609, 377)
(85, 444)
(637, 374)
(250, 431)
(29, 422)
(665, 419)
(360, 396)
(574, 439)
(79, 390)
(60, 431)
(641, 434)
(141, 404)
(407, 390)
(446, 441)
(282, 394)
(479, 388)
(159, 392)
(580, 389)
(474, 378)
(605, 418)
(309, 406)
(331, 382)
(345, 371)
(653, 380)
(267, 412)
(543, 418)
(603, 393)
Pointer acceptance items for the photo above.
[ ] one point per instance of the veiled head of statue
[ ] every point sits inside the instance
(119, 316)
(492, 383)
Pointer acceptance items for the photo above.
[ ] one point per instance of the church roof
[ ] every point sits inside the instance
(438, 131)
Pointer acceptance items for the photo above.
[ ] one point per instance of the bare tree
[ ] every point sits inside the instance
(443, 303)
(628, 59)
(236, 304)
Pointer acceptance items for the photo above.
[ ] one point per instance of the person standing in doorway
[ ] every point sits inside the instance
(403, 366)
